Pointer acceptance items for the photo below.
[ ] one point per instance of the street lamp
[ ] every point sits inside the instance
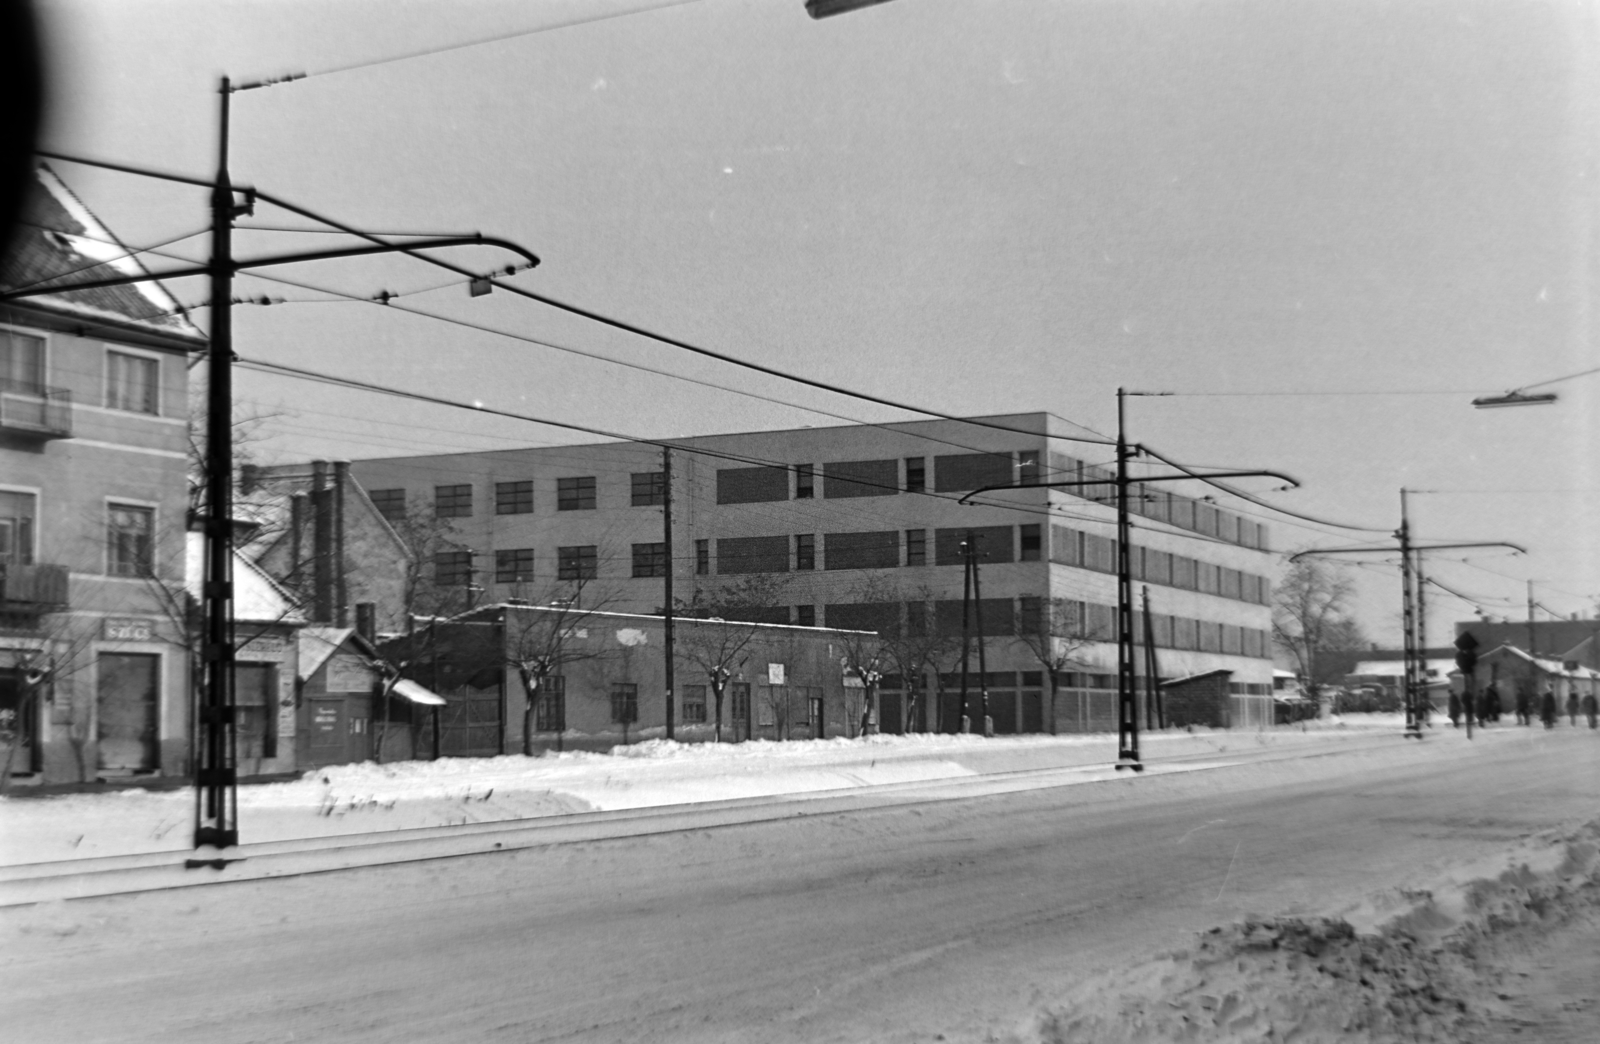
(1514, 398)
(829, 8)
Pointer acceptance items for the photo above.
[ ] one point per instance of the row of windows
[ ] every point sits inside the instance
(130, 535)
(1088, 551)
(573, 493)
(515, 565)
(1154, 502)
(132, 381)
(885, 477)
(775, 704)
(874, 549)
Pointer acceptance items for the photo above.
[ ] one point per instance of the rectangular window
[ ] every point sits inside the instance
(577, 563)
(737, 555)
(391, 503)
(452, 501)
(993, 544)
(741, 700)
(575, 494)
(702, 557)
(916, 474)
(916, 547)
(1028, 468)
(514, 566)
(624, 703)
(256, 707)
(752, 485)
(513, 498)
(452, 568)
(17, 512)
(960, 472)
(131, 383)
(804, 479)
(550, 706)
(860, 478)
(805, 615)
(1030, 619)
(649, 487)
(1032, 541)
(861, 550)
(21, 363)
(130, 540)
(649, 560)
(805, 551)
(694, 704)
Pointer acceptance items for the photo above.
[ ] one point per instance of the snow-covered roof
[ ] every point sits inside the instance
(60, 239)
(318, 644)
(256, 596)
(679, 620)
(1397, 668)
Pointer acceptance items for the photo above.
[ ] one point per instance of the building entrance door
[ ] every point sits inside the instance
(19, 722)
(128, 684)
(328, 732)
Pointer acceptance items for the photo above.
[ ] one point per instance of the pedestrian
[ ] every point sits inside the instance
(1492, 709)
(1524, 706)
(1547, 709)
(1455, 711)
(1591, 708)
(1572, 708)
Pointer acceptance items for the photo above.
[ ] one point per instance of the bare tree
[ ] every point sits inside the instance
(63, 646)
(542, 641)
(718, 643)
(867, 647)
(919, 646)
(1310, 619)
(1056, 639)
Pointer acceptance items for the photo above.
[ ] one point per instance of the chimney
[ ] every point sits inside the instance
(341, 591)
(297, 535)
(367, 621)
(321, 544)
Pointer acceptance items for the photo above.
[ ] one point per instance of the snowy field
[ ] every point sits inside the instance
(363, 798)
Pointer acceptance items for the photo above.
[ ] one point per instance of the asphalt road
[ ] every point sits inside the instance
(895, 923)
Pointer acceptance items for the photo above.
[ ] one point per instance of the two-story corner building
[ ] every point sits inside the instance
(857, 524)
(93, 497)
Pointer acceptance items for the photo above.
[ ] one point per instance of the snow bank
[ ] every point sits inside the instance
(1440, 964)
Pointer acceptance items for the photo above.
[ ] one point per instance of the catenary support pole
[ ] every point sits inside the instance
(666, 537)
(983, 661)
(965, 724)
(1408, 613)
(1127, 694)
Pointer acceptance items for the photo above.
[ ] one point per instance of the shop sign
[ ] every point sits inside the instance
(128, 629)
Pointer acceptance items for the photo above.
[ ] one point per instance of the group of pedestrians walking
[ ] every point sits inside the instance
(1488, 710)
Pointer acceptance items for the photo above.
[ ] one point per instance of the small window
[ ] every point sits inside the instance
(804, 481)
(550, 704)
(452, 501)
(256, 710)
(513, 498)
(391, 503)
(452, 568)
(916, 474)
(1031, 618)
(1028, 468)
(649, 487)
(577, 563)
(17, 512)
(649, 560)
(513, 566)
(702, 557)
(694, 704)
(130, 539)
(741, 701)
(805, 615)
(131, 382)
(624, 703)
(805, 551)
(1032, 543)
(575, 494)
(916, 547)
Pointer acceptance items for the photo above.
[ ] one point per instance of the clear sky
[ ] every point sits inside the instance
(1326, 226)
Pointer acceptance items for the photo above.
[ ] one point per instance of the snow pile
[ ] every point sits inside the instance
(1444, 969)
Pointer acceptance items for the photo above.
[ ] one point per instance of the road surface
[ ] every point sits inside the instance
(951, 920)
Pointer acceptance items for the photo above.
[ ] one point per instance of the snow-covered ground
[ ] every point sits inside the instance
(368, 797)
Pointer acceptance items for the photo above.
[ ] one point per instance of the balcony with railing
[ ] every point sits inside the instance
(29, 590)
(35, 410)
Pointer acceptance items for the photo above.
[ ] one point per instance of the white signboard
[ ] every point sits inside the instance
(774, 674)
(128, 629)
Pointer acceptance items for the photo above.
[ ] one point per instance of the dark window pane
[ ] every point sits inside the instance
(861, 550)
(452, 568)
(963, 471)
(753, 555)
(993, 543)
(702, 557)
(803, 479)
(391, 503)
(130, 540)
(882, 617)
(1031, 540)
(805, 551)
(752, 485)
(514, 566)
(513, 498)
(916, 547)
(916, 474)
(860, 478)
(649, 487)
(577, 563)
(575, 494)
(649, 559)
(452, 501)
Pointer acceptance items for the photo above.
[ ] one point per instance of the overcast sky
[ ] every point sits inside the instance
(1326, 226)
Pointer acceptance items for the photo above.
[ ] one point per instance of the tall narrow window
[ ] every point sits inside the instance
(1031, 544)
(17, 512)
(131, 382)
(256, 710)
(130, 540)
(694, 704)
(805, 551)
(452, 501)
(21, 362)
(624, 703)
(702, 557)
(513, 498)
(916, 474)
(513, 566)
(576, 563)
(805, 615)
(804, 481)
(649, 487)
(550, 707)
(741, 701)
(916, 547)
(1028, 467)
(575, 494)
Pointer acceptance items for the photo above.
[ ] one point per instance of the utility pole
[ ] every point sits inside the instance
(1153, 710)
(977, 615)
(1533, 640)
(666, 536)
(966, 627)
(1127, 685)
